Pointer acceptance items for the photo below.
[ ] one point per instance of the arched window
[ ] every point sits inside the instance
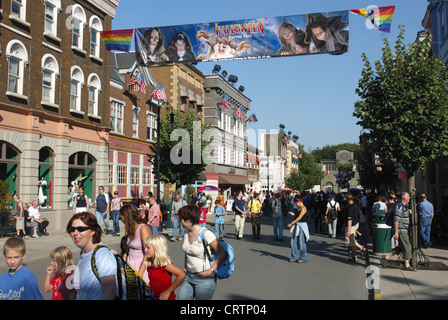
(76, 82)
(81, 172)
(94, 87)
(95, 28)
(17, 56)
(50, 69)
(78, 23)
(10, 168)
(329, 186)
(45, 183)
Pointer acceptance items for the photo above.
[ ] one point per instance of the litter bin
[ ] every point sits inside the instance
(169, 224)
(381, 239)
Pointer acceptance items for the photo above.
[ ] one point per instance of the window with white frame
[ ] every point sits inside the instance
(151, 126)
(135, 175)
(122, 174)
(52, 8)
(111, 173)
(146, 176)
(95, 28)
(78, 22)
(18, 9)
(76, 82)
(94, 87)
(17, 56)
(50, 69)
(135, 112)
(116, 115)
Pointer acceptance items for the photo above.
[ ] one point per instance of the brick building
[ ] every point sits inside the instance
(54, 110)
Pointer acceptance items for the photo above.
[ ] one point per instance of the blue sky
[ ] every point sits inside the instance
(314, 95)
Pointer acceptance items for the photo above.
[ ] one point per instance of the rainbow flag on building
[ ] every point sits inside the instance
(119, 40)
(380, 17)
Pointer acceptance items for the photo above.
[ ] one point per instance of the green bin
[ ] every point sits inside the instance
(382, 236)
(169, 224)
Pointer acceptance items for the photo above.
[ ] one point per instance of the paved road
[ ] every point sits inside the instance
(263, 271)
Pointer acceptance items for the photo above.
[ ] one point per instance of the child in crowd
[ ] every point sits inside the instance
(220, 212)
(18, 283)
(62, 265)
(124, 248)
(27, 221)
(203, 218)
(160, 268)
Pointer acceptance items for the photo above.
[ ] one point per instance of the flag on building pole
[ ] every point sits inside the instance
(119, 40)
(159, 93)
(224, 101)
(239, 112)
(138, 84)
(252, 118)
(377, 17)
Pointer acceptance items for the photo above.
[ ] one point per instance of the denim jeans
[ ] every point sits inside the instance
(196, 287)
(278, 227)
(425, 229)
(219, 230)
(102, 215)
(116, 221)
(154, 230)
(332, 227)
(176, 224)
(302, 244)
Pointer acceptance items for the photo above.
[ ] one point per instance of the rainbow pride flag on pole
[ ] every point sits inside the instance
(377, 17)
(119, 40)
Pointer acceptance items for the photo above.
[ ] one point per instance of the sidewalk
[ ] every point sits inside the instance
(423, 284)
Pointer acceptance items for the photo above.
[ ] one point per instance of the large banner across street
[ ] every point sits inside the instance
(244, 39)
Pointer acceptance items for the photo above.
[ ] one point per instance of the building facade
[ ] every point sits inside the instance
(273, 161)
(225, 111)
(54, 110)
(334, 168)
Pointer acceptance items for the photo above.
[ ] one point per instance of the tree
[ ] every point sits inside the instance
(403, 105)
(182, 145)
(308, 173)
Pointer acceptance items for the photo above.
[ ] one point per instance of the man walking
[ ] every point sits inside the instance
(277, 217)
(175, 206)
(102, 203)
(254, 207)
(426, 213)
(240, 215)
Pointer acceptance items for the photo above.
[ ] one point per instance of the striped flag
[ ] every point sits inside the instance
(239, 112)
(159, 93)
(380, 17)
(252, 118)
(138, 84)
(224, 101)
(119, 40)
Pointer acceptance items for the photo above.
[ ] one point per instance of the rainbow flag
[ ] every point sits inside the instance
(380, 17)
(119, 40)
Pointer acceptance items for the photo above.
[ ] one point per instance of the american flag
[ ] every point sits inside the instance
(252, 118)
(159, 93)
(224, 101)
(138, 84)
(239, 112)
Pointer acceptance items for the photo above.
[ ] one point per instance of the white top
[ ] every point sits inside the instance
(195, 262)
(33, 213)
(333, 204)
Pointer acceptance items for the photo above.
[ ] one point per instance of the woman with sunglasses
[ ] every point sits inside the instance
(86, 234)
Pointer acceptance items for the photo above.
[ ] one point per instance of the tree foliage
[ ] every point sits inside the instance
(181, 148)
(404, 103)
(307, 175)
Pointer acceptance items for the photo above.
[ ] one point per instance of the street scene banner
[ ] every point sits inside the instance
(305, 34)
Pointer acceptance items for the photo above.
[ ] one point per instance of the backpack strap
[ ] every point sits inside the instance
(206, 252)
(93, 261)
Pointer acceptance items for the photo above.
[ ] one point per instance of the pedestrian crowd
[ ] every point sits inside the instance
(145, 249)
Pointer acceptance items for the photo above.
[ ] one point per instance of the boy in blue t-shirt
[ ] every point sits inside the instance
(220, 212)
(18, 283)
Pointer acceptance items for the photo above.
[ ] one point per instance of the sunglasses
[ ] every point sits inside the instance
(79, 229)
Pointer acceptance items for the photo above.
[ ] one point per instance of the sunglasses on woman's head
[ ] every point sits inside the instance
(79, 229)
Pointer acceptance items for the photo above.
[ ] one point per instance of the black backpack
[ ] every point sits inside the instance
(332, 213)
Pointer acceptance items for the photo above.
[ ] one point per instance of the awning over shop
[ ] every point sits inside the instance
(231, 179)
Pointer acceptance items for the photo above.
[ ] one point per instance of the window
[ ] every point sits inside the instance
(146, 178)
(17, 58)
(18, 9)
(52, 8)
(122, 174)
(93, 86)
(78, 22)
(151, 126)
(50, 69)
(116, 115)
(135, 111)
(135, 175)
(77, 80)
(95, 28)
(111, 173)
